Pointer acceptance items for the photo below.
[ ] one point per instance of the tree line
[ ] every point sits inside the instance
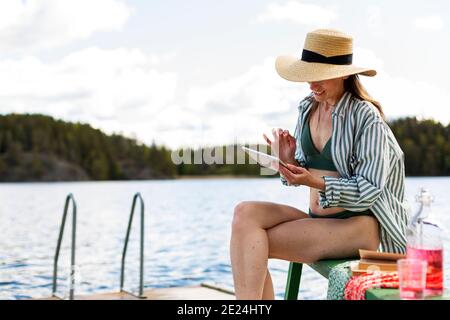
(36, 147)
(425, 143)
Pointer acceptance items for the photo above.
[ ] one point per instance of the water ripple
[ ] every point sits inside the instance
(186, 238)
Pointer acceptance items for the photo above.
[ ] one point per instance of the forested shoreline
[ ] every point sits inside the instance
(36, 147)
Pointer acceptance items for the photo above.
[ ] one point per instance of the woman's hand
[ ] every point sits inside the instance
(296, 175)
(283, 145)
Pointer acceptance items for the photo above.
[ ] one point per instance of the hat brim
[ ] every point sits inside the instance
(293, 69)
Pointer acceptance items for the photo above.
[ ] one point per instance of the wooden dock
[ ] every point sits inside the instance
(200, 292)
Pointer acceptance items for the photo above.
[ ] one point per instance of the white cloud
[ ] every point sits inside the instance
(433, 22)
(366, 58)
(162, 58)
(242, 108)
(120, 91)
(116, 90)
(400, 96)
(297, 12)
(39, 24)
(374, 20)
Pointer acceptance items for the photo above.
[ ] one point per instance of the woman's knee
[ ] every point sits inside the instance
(262, 214)
(242, 217)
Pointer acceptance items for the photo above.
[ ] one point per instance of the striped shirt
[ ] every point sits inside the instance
(370, 164)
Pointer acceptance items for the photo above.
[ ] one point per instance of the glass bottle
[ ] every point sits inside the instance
(424, 242)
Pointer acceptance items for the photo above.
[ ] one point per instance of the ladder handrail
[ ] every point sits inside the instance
(122, 272)
(58, 246)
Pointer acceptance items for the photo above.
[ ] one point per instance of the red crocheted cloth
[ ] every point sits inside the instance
(356, 287)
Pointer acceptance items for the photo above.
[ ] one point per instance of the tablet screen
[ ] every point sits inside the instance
(264, 159)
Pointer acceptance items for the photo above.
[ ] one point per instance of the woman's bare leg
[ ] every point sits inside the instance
(249, 245)
(268, 292)
(310, 240)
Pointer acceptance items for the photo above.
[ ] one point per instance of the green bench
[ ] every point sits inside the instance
(295, 272)
(324, 267)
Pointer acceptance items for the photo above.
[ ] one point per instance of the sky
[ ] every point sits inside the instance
(201, 73)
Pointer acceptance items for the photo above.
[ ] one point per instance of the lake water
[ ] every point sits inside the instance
(187, 233)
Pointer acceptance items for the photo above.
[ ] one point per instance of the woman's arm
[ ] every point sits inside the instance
(301, 108)
(371, 170)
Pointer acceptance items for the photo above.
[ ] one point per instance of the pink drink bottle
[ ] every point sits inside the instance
(424, 241)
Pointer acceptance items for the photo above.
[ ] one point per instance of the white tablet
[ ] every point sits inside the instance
(263, 159)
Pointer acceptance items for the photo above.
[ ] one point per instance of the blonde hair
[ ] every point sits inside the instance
(355, 87)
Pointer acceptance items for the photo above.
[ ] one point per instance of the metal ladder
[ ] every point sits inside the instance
(70, 198)
(72, 249)
(141, 267)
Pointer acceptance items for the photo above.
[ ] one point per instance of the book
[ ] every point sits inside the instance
(380, 265)
(369, 254)
(373, 261)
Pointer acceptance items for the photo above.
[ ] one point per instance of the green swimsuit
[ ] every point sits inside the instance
(323, 161)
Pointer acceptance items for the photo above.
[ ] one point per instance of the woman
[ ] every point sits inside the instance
(343, 150)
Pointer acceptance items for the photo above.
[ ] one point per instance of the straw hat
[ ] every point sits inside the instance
(327, 54)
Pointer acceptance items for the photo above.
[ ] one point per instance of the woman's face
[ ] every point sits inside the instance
(328, 90)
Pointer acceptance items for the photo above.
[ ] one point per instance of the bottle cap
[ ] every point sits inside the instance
(424, 197)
